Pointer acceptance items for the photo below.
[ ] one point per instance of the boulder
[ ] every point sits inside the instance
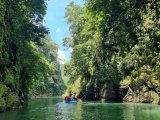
(142, 95)
(12, 102)
(3, 90)
(2, 105)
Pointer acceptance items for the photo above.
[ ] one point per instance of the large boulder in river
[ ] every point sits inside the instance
(144, 87)
(141, 96)
(3, 92)
(12, 102)
(8, 99)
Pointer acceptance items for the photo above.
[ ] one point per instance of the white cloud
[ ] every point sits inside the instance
(62, 56)
(58, 30)
(70, 49)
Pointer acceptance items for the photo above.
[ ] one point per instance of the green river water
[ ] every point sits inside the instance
(54, 109)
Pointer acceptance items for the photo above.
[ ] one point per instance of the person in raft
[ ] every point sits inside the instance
(67, 98)
(74, 97)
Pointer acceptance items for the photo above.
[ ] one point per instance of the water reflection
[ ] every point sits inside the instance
(128, 112)
(54, 109)
(67, 111)
(134, 111)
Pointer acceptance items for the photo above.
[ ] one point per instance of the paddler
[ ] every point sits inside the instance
(76, 98)
(68, 98)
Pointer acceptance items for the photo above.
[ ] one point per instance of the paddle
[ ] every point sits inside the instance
(79, 100)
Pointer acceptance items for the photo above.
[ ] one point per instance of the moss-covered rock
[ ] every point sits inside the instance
(3, 90)
(12, 101)
(2, 104)
(145, 85)
(8, 99)
(142, 95)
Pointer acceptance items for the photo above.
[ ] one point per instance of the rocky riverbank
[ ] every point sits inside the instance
(9, 99)
(34, 95)
(143, 90)
(13, 99)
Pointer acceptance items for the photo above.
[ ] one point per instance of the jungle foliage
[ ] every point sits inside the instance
(113, 41)
(28, 57)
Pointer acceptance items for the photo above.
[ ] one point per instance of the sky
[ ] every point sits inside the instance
(54, 20)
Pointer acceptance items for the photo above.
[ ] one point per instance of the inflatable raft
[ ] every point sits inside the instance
(71, 101)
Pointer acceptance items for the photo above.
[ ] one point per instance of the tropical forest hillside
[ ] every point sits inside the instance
(28, 56)
(116, 50)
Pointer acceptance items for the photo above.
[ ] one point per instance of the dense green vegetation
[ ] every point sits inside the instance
(114, 42)
(28, 57)
(52, 82)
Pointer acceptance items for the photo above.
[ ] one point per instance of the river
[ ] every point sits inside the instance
(54, 109)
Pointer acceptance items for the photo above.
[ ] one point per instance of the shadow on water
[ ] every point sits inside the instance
(54, 109)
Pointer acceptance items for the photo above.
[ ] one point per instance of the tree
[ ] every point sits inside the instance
(115, 40)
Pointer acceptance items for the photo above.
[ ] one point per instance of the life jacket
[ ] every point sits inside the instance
(69, 99)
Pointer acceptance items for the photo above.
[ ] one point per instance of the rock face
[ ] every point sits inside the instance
(142, 95)
(8, 99)
(144, 92)
(141, 90)
(109, 94)
(88, 94)
(143, 86)
(97, 93)
(113, 93)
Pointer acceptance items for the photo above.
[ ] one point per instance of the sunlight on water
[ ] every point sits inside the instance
(55, 109)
